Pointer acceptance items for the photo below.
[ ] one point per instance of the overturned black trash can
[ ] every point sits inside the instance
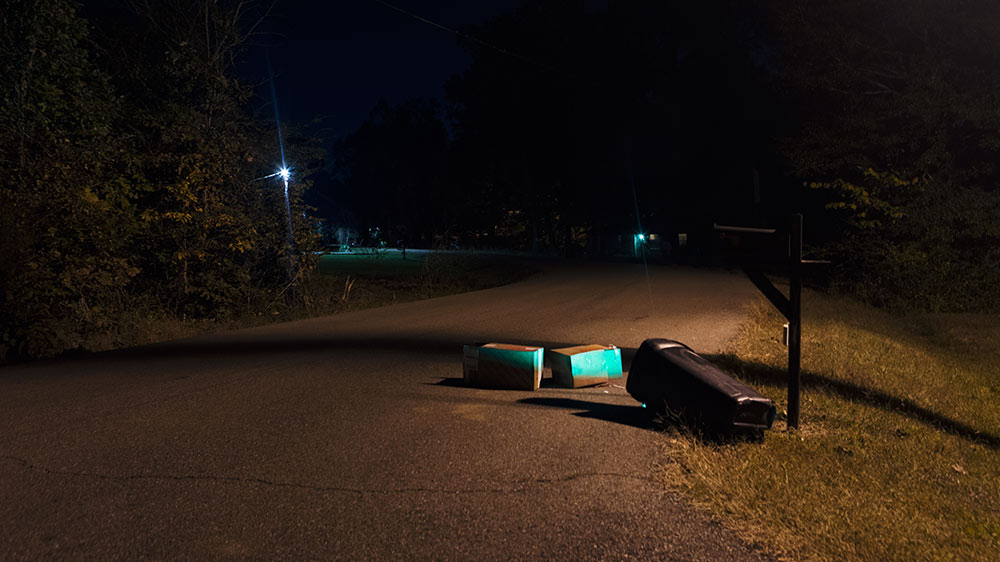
(673, 381)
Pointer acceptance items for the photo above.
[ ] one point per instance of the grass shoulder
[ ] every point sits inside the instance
(338, 283)
(898, 455)
(344, 282)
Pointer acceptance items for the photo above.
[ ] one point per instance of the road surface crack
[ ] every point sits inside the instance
(178, 477)
(580, 475)
(519, 486)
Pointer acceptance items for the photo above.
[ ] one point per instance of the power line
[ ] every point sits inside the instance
(465, 36)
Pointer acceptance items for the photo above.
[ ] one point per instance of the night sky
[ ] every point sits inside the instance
(332, 62)
(335, 60)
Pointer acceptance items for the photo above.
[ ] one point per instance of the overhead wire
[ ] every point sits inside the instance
(465, 36)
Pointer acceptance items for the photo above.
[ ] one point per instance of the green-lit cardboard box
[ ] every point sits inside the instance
(501, 365)
(585, 365)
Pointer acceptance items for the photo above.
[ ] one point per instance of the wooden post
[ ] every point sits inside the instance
(790, 308)
(795, 321)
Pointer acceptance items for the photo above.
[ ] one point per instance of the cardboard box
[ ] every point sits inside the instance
(585, 365)
(501, 365)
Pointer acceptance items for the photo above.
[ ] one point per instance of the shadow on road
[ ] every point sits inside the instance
(754, 371)
(634, 416)
(278, 346)
(450, 381)
(547, 382)
(432, 344)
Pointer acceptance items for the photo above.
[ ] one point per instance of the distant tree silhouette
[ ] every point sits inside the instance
(603, 115)
(393, 172)
(897, 133)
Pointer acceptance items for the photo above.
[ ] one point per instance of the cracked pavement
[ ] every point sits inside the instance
(351, 438)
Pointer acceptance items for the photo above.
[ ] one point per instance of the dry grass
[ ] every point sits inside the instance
(341, 283)
(898, 456)
(353, 282)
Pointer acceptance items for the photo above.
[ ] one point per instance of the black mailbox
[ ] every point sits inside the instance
(671, 380)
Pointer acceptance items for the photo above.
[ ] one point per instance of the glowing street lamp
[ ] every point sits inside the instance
(285, 173)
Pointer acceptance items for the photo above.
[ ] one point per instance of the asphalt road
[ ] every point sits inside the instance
(351, 438)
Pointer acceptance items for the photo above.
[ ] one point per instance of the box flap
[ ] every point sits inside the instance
(582, 349)
(512, 347)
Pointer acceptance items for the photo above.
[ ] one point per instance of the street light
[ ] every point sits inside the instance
(285, 173)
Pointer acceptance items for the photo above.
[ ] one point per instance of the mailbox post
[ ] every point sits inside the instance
(794, 320)
(791, 306)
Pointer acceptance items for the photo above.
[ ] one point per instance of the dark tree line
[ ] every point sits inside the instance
(897, 118)
(878, 119)
(128, 154)
(587, 126)
(396, 164)
(127, 160)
